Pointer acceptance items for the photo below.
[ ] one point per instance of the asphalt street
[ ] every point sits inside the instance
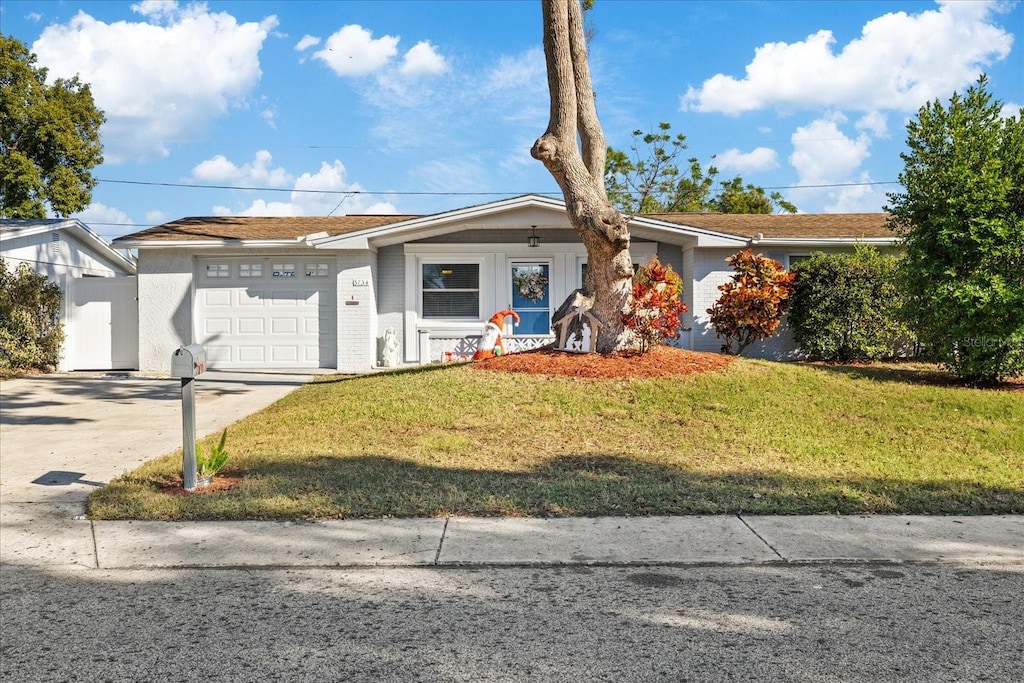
(857, 622)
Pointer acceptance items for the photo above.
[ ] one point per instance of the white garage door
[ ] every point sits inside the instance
(267, 312)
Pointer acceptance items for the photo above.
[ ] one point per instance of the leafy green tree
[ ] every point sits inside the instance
(962, 219)
(49, 138)
(648, 179)
(31, 334)
(846, 306)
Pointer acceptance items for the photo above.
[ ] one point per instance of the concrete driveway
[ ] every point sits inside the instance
(63, 435)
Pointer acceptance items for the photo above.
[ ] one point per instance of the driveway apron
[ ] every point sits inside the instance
(64, 435)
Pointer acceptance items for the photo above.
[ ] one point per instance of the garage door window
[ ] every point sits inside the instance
(451, 290)
(250, 270)
(218, 270)
(283, 270)
(316, 270)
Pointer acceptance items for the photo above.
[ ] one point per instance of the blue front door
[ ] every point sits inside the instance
(531, 288)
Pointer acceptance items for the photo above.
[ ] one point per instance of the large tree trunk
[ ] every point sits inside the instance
(580, 173)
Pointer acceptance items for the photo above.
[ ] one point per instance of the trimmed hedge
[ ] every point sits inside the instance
(846, 307)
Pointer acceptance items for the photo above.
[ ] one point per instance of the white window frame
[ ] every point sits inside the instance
(460, 261)
(216, 271)
(255, 270)
(317, 269)
(284, 270)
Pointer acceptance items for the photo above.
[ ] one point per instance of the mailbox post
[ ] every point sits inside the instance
(186, 363)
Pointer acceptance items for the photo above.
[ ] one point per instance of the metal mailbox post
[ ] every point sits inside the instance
(187, 363)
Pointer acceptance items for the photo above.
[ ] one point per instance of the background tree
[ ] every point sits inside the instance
(962, 219)
(846, 306)
(573, 150)
(751, 305)
(49, 138)
(648, 179)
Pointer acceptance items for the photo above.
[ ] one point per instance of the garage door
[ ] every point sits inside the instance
(267, 312)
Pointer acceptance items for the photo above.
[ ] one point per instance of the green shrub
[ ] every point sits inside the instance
(31, 334)
(846, 306)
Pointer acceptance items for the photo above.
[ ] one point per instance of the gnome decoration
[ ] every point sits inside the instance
(490, 341)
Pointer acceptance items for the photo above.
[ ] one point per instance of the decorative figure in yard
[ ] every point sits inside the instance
(490, 341)
(575, 323)
(390, 348)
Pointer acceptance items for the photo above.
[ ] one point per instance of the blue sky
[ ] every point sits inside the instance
(423, 106)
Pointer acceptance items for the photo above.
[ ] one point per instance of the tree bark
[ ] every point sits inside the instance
(573, 149)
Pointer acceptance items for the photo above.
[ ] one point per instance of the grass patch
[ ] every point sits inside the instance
(758, 437)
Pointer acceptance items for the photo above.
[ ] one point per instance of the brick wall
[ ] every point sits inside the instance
(357, 311)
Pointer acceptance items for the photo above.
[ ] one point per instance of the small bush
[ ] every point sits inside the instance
(752, 303)
(655, 307)
(31, 335)
(846, 306)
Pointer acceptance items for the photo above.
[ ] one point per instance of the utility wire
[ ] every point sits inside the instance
(435, 194)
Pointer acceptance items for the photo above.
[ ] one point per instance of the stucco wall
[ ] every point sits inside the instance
(165, 306)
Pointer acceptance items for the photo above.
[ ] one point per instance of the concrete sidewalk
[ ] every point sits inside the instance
(61, 436)
(47, 536)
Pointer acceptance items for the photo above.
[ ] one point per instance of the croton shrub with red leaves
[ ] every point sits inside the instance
(655, 307)
(753, 302)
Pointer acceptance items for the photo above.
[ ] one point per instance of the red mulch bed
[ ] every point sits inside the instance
(662, 361)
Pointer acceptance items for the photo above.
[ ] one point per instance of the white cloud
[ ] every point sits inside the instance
(106, 221)
(900, 61)
(156, 9)
(156, 217)
(760, 159)
(158, 83)
(258, 173)
(423, 60)
(862, 198)
(306, 43)
(325, 192)
(824, 154)
(874, 123)
(101, 213)
(353, 51)
(516, 72)
(1011, 109)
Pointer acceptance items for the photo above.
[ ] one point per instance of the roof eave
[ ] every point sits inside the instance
(822, 241)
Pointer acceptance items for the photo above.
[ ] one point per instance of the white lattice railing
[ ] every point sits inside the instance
(454, 349)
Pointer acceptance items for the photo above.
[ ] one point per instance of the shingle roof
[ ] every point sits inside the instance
(831, 225)
(783, 225)
(259, 228)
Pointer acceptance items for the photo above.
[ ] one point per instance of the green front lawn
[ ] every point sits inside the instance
(758, 437)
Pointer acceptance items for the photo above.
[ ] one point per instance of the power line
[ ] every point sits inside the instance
(434, 194)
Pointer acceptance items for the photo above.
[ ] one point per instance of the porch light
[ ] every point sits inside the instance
(532, 239)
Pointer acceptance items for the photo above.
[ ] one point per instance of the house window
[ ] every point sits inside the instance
(250, 270)
(218, 270)
(451, 290)
(796, 258)
(283, 270)
(316, 270)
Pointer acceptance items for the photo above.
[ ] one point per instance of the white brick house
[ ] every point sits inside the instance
(321, 292)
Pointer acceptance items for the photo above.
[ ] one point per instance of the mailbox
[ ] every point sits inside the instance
(188, 361)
